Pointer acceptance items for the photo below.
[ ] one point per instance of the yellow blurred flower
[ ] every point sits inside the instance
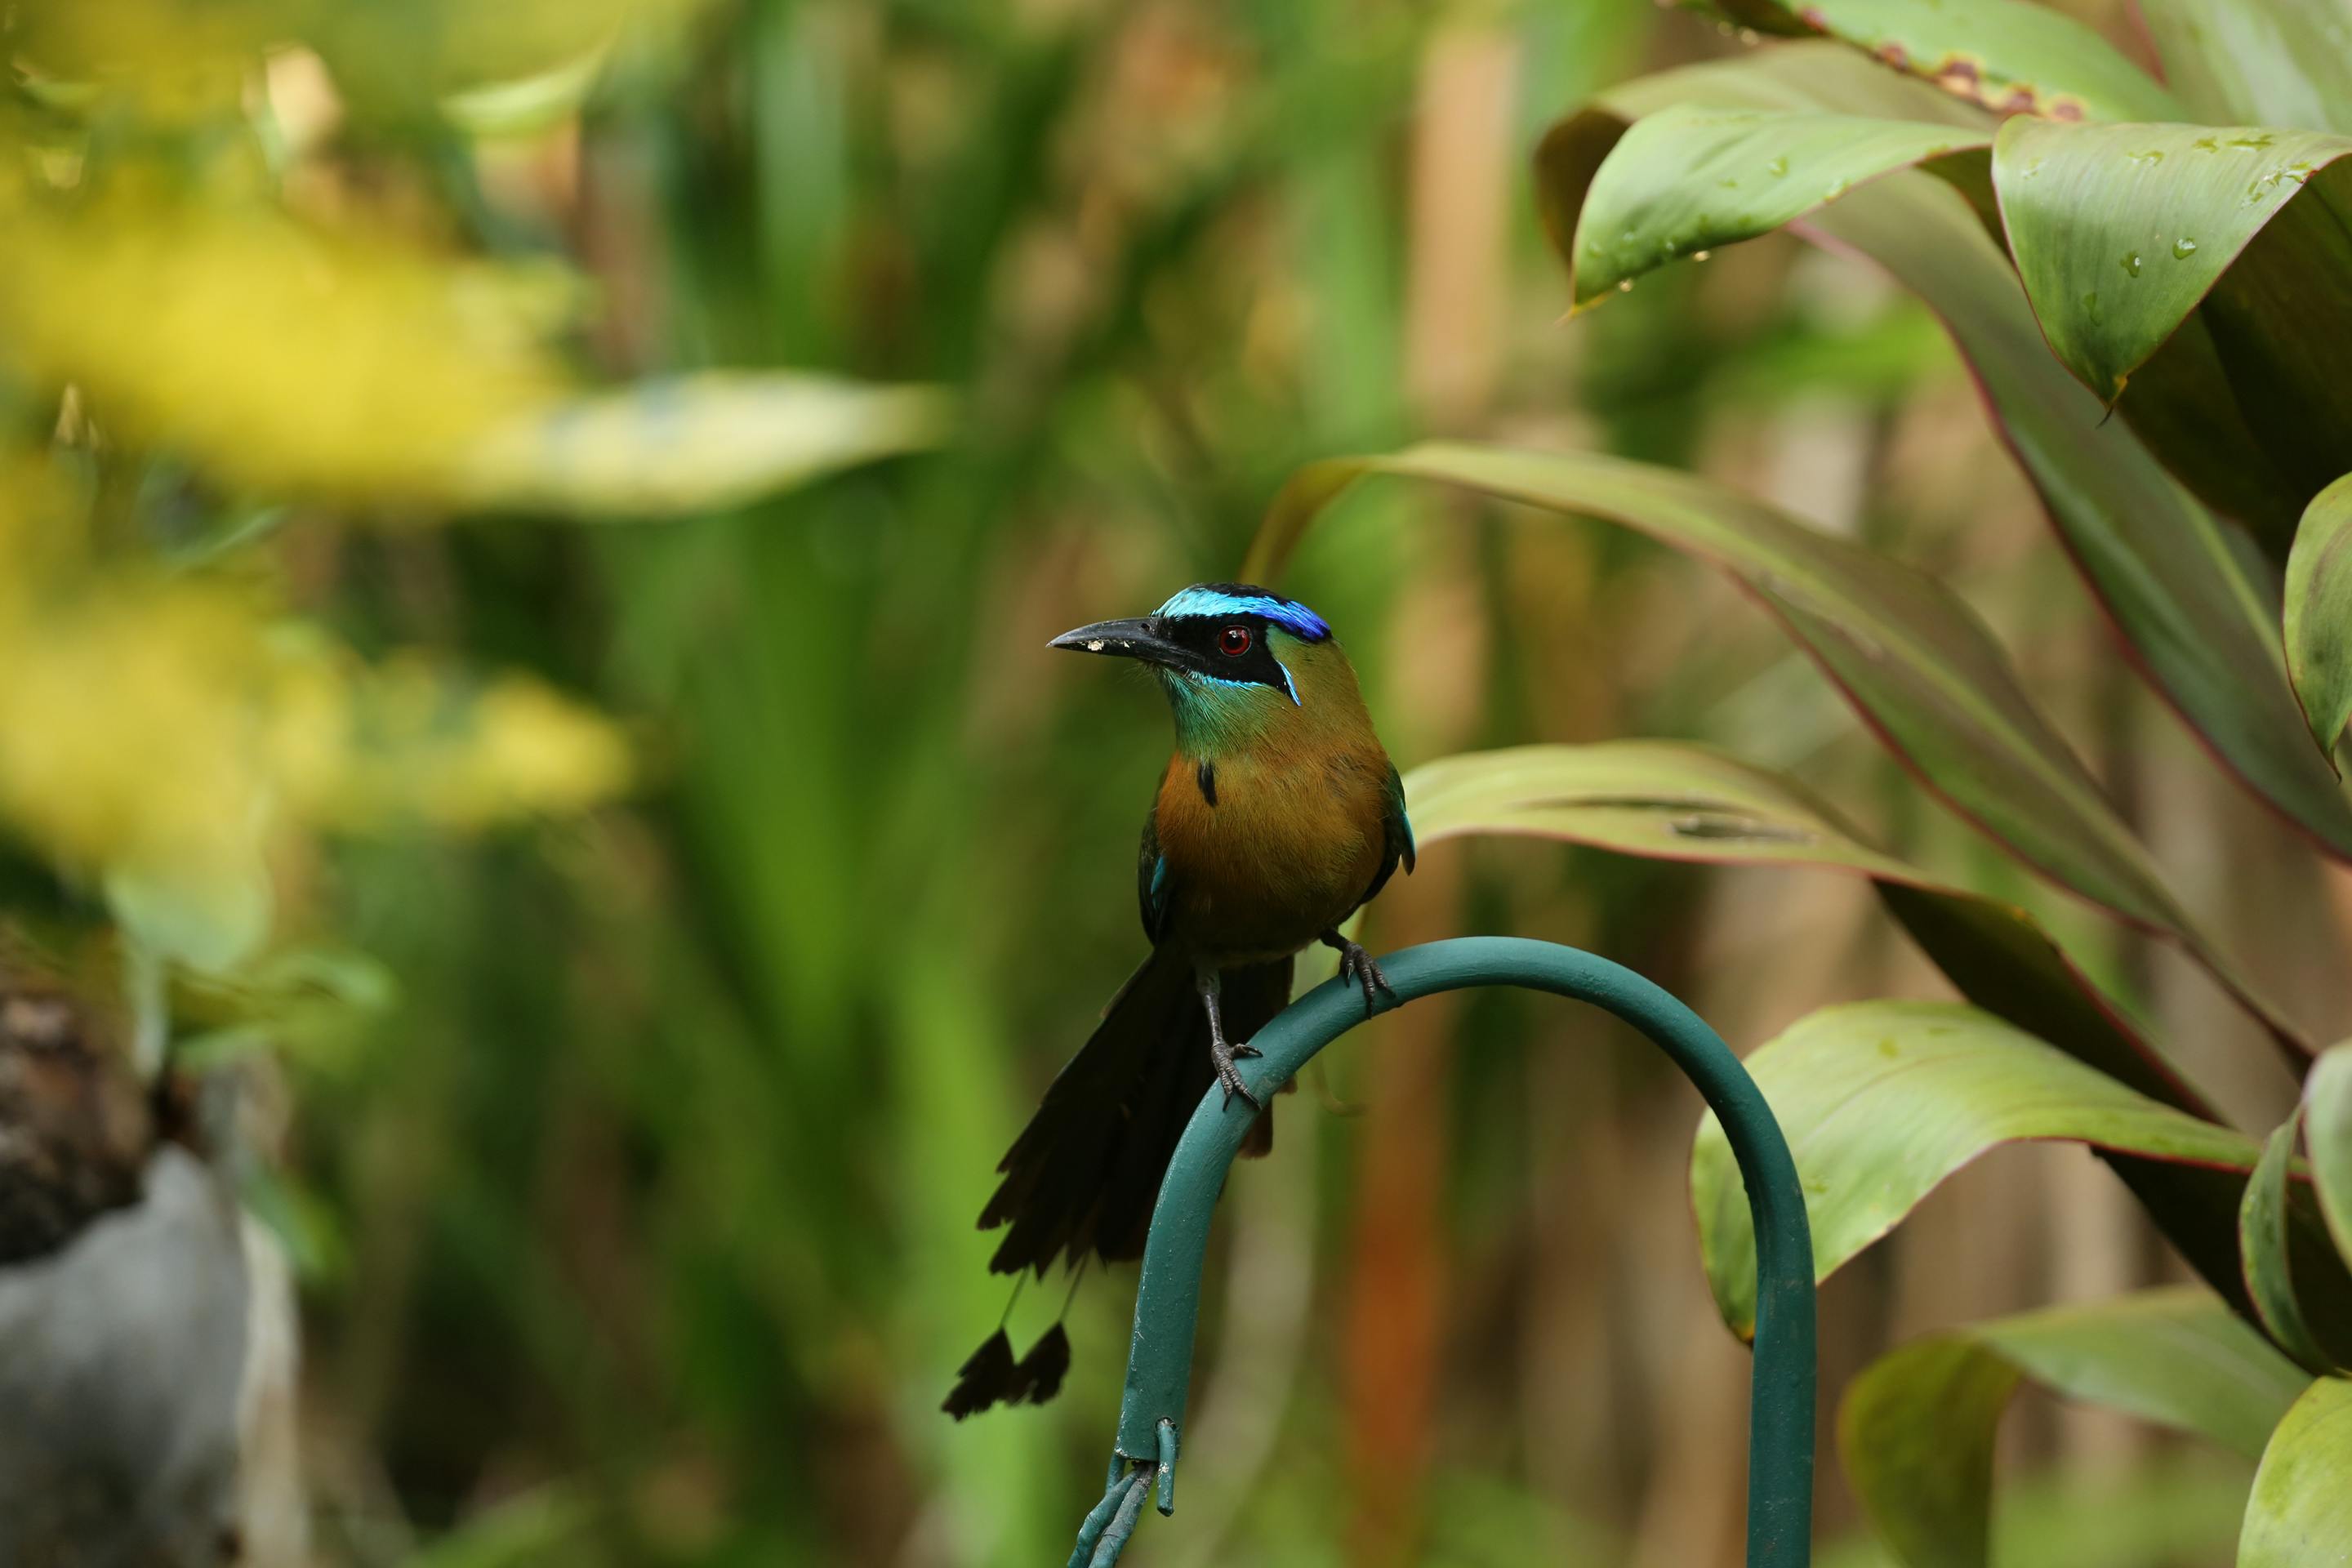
(417, 51)
(283, 358)
(288, 361)
(157, 733)
(416, 744)
(129, 723)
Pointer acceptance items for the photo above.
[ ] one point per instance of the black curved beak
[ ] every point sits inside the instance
(1137, 639)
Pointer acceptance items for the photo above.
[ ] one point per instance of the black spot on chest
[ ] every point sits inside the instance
(1205, 775)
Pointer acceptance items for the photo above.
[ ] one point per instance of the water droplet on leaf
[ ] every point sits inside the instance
(2183, 248)
(1777, 167)
(2131, 265)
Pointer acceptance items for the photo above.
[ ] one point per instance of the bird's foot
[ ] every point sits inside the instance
(1224, 1055)
(1230, 1075)
(1356, 964)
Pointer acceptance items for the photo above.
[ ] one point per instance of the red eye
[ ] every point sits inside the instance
(1233, 641)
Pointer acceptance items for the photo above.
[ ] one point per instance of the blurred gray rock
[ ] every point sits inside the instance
(123, 1359)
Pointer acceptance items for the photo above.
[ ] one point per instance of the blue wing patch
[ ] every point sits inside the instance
(1155, 898)
(1397, 843)
(1154, 889)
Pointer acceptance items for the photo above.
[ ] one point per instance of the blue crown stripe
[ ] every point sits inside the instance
(1290, 614)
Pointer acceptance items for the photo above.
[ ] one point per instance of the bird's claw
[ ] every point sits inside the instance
(1230, 1076)
(1357, 965)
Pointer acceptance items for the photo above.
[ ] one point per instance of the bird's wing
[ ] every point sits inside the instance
(1396, 828)
(1400, 826)
(1154, 887)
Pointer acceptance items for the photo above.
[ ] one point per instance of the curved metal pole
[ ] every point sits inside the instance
(1168, 1297)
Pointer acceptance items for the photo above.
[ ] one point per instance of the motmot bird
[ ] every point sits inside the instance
(1277, 817)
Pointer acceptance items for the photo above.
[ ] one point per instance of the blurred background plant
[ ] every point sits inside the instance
(658, 928)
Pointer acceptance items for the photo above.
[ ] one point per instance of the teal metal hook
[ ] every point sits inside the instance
(1167, 1296)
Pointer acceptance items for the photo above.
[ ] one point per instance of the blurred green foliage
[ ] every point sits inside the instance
(633, 1185)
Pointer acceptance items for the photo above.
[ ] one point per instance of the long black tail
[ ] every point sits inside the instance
(1082, 1178)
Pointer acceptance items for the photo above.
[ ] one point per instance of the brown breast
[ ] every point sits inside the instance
(1283, 854)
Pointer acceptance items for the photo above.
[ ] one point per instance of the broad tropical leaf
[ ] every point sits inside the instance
(2007, 55)
(1907, 652)
(1666, 800)
(2119, 231)
(2262, 1241)
(2155, 557)
(1916, 1427)
(2319, 612)
(2250, 463)
(1881, 1101)
(2300, 1515)
(1689, 178)
(2268, 62)
(1808, 79)
(2327, 1128)
(2156, 560)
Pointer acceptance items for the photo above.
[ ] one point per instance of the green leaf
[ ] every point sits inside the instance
(1663, 799)
(2262, 1241)
(2300, 1515)
(2154, 556)
(1806, 78)
(1911, 656)
(2007, 55)
(1916, 1427)
(1669, 800)
(1688, 178)
(2327, 1130)
(2261, 356)
(1666, 800)
(1881, 1101)
(2319, 612)
(696, 443)
(2119, 231)
(2187, 403)
(2272, 62)
(210, 911)
(1905, 651)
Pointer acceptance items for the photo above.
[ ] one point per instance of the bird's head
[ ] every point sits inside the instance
(1237, 662)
